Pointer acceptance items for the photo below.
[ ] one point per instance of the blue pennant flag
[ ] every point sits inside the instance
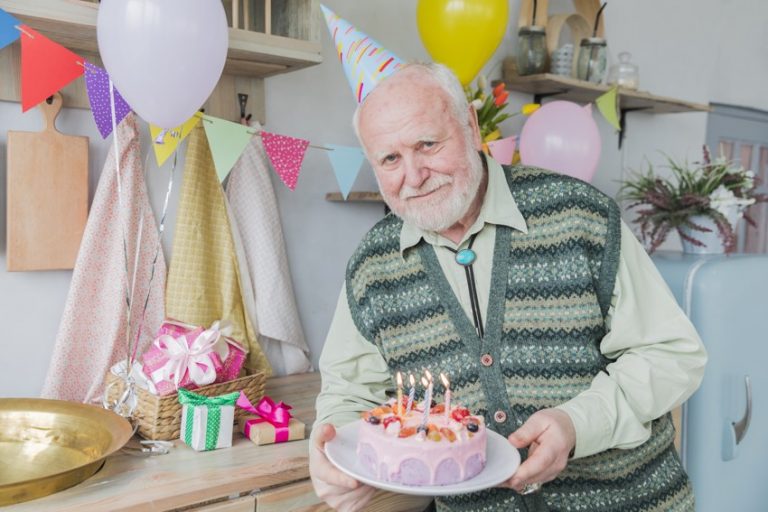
(8, 31)
(346, 165)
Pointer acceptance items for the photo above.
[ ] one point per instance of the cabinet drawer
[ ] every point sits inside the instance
(244, 504)
(300, 497)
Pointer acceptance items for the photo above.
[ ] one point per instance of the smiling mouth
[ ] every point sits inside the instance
(422, 196)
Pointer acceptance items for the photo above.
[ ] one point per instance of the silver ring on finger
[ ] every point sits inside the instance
(530, 489)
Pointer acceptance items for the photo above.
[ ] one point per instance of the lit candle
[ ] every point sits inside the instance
(399, 394)
(411, 393)
(447, 396)
(427, 401)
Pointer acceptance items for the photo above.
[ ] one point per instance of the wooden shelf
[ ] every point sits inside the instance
(72, 23)
(355, 197)
(580, 91)
(252, 56)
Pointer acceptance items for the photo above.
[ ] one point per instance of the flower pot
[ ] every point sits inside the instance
(713, 244)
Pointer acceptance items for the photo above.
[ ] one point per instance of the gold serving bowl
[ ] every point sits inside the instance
(49, 445)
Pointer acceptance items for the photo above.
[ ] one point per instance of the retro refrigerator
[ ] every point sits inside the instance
(725, 423)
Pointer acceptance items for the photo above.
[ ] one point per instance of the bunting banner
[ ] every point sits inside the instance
(8, 31)
(346, 162)
(97, 84)
(503, 150)
(608, 105)
(227, 141)
(46, 67)
(286, 154)
(165, 142)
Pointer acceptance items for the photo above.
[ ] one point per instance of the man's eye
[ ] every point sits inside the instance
(389, 159)
(428, 144)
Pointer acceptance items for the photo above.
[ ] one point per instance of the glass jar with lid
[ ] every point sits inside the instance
(592, 60)
(624, 73)
(531, 50)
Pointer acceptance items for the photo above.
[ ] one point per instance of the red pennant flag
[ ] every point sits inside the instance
(286, 154)
(46, 67)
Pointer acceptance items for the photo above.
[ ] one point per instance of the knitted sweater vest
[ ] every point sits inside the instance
(550, 292)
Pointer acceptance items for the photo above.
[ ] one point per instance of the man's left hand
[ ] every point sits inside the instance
(549, 436)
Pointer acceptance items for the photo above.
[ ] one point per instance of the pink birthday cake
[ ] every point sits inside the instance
(407, 449)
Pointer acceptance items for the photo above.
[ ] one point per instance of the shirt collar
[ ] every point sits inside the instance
(499, 208)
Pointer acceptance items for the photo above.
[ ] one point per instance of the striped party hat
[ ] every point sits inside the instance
(365, 61)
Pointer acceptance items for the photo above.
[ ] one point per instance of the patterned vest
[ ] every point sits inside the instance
(550, 291)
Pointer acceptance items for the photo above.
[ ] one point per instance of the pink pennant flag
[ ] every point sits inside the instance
(286, 154)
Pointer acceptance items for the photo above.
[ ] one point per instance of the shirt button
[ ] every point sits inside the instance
(486, 359)
(500, 416)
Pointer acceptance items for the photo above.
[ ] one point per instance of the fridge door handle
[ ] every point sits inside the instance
(741, 427)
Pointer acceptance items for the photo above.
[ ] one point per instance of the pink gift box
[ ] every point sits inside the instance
(231, 354)
(156, 357)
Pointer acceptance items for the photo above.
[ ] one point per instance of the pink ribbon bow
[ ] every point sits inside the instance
(277, 415)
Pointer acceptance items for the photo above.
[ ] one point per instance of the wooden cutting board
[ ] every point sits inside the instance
(47, 195)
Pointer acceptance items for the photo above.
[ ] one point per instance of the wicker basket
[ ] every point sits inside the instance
(159, 417)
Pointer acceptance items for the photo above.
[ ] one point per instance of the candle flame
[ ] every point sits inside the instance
(424, 382)
(410, 378)
(444, 379)
(429, 375)
(399, 379)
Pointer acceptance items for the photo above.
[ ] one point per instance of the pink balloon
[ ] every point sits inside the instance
(563, 137)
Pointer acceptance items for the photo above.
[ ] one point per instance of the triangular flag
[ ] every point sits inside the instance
(608, 105)
(227, 141)
(46, 67)
(365, 62)
(8, 31)
(503, 150)
(346, 165)
(286, 154)
(165, 142)
(97, 84)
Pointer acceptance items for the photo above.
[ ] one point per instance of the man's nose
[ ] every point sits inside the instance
(416, 173)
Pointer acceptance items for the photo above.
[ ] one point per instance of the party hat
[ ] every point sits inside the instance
(365, 61)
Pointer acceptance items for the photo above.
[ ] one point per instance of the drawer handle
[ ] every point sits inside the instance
(740, 427)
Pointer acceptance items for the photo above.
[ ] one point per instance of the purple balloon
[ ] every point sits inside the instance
(563, 137)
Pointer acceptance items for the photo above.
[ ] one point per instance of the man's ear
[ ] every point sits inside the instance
(477, 141)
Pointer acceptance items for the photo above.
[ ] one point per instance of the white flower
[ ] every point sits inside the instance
(723, 200)
(477, 104)
(482, 82)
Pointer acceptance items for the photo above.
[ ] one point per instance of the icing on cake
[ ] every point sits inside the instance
(396, 448)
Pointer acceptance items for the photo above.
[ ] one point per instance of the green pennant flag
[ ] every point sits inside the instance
(608, 105)
(227, 141)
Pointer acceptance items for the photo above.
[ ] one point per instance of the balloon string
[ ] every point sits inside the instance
(121, 220)
(158, 248)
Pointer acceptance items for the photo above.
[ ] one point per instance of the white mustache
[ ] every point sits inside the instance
(433, 183)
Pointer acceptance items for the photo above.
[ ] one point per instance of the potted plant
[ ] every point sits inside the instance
(703, 202)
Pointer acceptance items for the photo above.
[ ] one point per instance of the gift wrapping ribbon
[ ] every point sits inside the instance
(278, 415)
(183, 357)
(213, 422)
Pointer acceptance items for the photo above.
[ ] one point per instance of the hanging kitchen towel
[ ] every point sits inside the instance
(264, 262)
(92, 333)
(203, 278)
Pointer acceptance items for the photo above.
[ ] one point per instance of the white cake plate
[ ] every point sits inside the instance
(502, 460)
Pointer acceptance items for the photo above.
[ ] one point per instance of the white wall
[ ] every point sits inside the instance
(697, 50)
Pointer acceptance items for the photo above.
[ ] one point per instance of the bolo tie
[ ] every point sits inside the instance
(465, 258)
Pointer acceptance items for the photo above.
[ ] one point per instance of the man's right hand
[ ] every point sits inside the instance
(338, 490)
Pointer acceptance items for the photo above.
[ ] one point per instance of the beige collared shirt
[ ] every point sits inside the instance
(658, 356)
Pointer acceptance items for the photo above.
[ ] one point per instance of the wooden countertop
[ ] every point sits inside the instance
(186, 477)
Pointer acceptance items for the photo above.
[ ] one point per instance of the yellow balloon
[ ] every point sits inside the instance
(462, 34)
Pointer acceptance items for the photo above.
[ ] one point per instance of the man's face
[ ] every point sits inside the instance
(425, 161)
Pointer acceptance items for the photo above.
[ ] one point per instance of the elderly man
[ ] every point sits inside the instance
(561, 333)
